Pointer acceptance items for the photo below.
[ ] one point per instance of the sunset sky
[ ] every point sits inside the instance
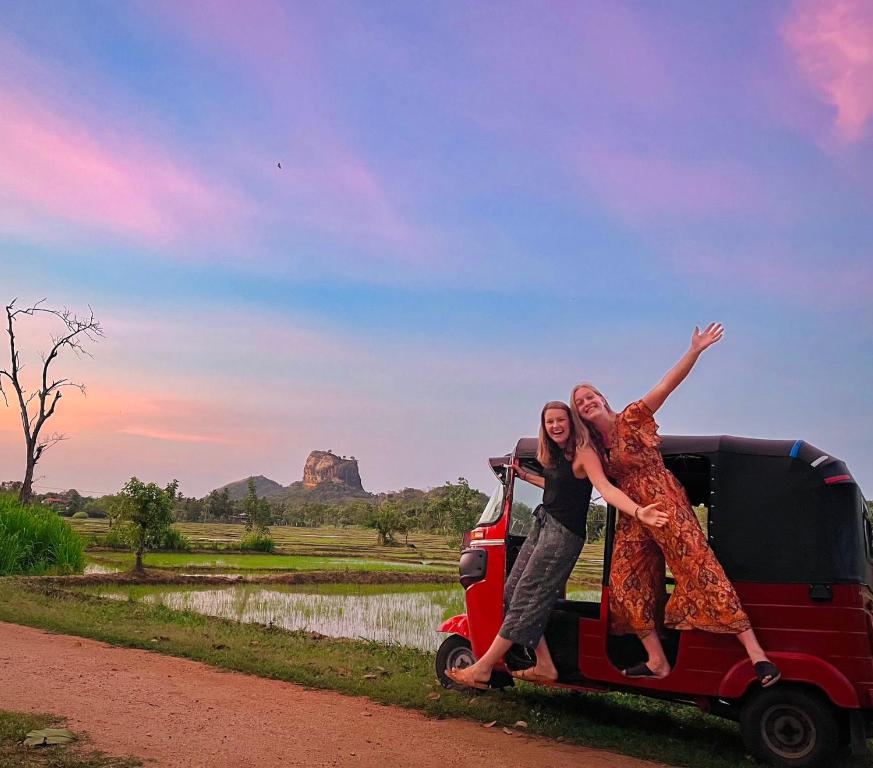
(478, 206)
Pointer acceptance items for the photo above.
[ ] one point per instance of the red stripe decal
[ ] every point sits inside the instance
(837, 479)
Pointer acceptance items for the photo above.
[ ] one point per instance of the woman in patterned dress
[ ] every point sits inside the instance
(703, 597)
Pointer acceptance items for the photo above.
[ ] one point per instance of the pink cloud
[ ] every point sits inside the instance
(642, 186)
(56, 168)
(174, 437)
(831, 42)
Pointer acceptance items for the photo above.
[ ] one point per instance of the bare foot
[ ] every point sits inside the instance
(534, 675)
(467, 678)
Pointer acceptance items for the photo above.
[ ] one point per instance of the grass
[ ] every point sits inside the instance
(15, 725)
(35, 541)
(228, 562)
(387, 674)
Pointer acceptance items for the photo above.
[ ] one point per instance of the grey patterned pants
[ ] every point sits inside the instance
(538, 576)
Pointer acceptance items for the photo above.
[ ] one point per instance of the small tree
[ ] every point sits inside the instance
(37, 405)
(144, 513)
(257, 511)
(75, 502)
(387, 521)
(456, 508)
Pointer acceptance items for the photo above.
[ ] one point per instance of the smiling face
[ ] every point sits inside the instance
(557, 424)
(588, 403)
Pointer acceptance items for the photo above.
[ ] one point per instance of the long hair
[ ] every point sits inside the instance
(586, 433)
(548, 451)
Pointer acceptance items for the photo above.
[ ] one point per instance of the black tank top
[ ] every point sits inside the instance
(566, 497)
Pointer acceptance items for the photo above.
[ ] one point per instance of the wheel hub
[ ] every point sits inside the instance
(788, 731)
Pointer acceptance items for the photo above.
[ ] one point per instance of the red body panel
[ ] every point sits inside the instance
(457, 625)
(825, 644)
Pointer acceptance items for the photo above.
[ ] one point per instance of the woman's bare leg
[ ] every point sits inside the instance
(752, 646)
(657, 661)
(545, 666)
(480, 672)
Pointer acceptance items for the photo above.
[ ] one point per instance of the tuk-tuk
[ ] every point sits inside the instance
(791, 528)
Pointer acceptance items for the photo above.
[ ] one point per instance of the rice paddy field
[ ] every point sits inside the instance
(307, 549)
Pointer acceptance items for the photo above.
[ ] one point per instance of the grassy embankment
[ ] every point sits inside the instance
(387, 674)
(15, 725)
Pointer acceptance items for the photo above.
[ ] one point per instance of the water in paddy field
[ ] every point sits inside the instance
(409, 617)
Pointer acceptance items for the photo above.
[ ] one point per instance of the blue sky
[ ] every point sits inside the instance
(477, 207)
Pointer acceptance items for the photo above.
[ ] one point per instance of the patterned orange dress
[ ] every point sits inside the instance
(703, 597)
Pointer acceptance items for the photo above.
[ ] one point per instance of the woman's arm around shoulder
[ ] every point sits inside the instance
(676, 375)
(587, 463)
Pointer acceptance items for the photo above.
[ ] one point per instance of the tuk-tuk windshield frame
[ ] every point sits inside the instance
(494, 508)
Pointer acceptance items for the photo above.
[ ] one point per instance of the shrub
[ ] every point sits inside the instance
(258, 542)
(175, 540)
(80, 515)
(35, 540)
(112, 539)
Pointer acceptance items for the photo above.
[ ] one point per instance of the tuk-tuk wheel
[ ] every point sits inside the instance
(790, 727)
(455, 651)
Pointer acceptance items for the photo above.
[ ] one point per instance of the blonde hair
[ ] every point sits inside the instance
(547, 449)
(586, 433)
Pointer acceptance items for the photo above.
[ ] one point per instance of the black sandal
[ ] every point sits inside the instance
(641, 670)
(767, 673)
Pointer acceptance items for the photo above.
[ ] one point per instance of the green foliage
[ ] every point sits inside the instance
(257, 511)
(258, 542)
(387, 520)
(35, 540)
(143, 512)
(456, 509)
(218, 506)
(174, 540)
(75, 503)
(596, 523)
(113, 539)
(80, 515)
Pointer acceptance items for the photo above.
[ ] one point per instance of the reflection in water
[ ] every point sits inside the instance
(408, 618)
(404, 618)
(97, 568)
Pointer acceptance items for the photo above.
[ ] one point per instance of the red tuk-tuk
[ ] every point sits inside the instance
(791, 528)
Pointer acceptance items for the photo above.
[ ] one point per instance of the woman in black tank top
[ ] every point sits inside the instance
(550, 551)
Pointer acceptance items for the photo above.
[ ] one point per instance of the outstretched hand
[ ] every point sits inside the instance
(710, 335)
(652, 516)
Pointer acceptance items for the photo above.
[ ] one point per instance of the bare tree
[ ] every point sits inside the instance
(38, 405)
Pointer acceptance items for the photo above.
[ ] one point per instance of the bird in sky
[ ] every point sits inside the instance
(279, 166)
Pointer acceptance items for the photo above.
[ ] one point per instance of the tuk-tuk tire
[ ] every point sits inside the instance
(810, 726)
(455, 651)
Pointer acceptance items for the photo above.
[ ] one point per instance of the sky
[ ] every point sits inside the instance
(478, 205)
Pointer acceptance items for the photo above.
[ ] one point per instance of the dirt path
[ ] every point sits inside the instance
(177, 713)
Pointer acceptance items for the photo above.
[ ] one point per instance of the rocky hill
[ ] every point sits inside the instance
(263, 487)
(326, 478)
(326, 467)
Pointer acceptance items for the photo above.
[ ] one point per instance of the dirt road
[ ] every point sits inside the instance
(176, 713)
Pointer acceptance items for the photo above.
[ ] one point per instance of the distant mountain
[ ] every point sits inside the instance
(326, 478)
(263, 487)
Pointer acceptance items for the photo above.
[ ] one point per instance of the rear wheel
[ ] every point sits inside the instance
(790, 727)
(455, 651)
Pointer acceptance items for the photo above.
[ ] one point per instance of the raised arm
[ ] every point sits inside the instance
(587, 462)
(676, 375)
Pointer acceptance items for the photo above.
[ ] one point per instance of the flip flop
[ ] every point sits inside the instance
(456, 676)
(642, 670)
(531, 677)
(767, 673)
